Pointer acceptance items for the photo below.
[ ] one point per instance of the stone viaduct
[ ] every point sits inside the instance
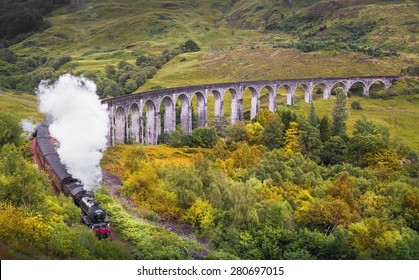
(138, 117)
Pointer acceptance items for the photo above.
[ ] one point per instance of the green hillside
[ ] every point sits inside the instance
(239, 40)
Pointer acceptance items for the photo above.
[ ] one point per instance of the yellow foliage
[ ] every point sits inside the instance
(16, 225)
(131, 158)
(370, 203)
(246, 156)
(344, 187)
(200, 215)
(146, 189)
(324, 213)
(372, 236)
(229, 168)
(291, 139)
(386, 158)
(270, 193)
(254, 132)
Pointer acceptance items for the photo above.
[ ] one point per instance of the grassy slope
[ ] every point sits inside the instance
(399, 114)
(233, 44)
(20, 105)
(104, 32)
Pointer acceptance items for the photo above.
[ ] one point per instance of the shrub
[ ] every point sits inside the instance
(190, 46)
(410, 71)
(7, 56)
(130, 86)
(142, 59)
(204, 137)
(356, 105)
(150, 71)
(8, 69)
(60, 62)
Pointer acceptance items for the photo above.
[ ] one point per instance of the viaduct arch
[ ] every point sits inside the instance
(140, 117)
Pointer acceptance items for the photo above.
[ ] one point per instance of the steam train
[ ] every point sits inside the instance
(47, 158)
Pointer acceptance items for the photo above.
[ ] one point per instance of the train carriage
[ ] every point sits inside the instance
(92, 214)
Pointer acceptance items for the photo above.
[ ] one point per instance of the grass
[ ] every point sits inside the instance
(158, 155)
(162, 155)
(234, 45)
(183, 70)
(19, 104)
(399, 114)
(105, 32)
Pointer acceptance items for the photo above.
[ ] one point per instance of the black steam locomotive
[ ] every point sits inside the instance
(47, 158)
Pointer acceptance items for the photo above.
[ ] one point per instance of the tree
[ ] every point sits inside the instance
(8, 56)
(246, 156)
(113, 90)
(139, 76)
(20, 182)
(411, 207)
(132, 158)
(185, 183)
(204, 137)
(110, 71)
(325, 129)
(272, 136)
(291, 139)
(373, 238)
(142, 59)
(130, 86)
(312, 116)
(287, 116)
(10, 129)
(324, 214)
(333, 151)
(150, 71)
(147, 190)
(386, 158)
(343, 187)
(57, 63)
(368, 140)
(245, 215)
(254, 132)
(200, 215)
(279, 167)
(363, 126)
(311, 144)
(175, 139)
(236, 132)
(339, 113)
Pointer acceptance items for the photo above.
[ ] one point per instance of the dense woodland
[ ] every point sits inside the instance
(285, 187)
(18, 19)
(282, 186)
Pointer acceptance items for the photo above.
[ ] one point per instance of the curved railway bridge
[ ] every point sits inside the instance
(143, 116)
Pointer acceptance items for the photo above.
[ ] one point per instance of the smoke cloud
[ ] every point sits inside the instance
(28, 126)
(79, 124)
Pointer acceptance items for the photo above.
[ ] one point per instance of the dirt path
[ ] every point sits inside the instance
(113, 182)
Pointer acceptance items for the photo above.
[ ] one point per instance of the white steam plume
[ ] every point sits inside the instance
(80, 125)
(28, 126)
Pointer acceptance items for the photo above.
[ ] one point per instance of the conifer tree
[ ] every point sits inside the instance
(339, 113)
(312, 116)
(325, 129)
